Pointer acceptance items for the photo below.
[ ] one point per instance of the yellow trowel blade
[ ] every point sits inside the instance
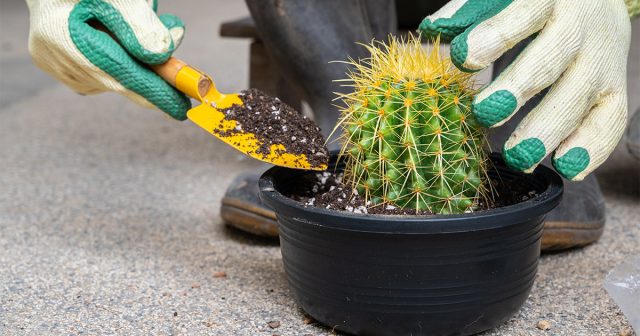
(213, 121)
(208, 116)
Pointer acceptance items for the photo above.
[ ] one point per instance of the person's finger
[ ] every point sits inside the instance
(436, 23)
(137, 28)
(153, 4)
(126, 75)
(594, 140)
(175, 26)
(555, 117)
(536, 68)
(482, 43)
(456, 16)
(447, 11)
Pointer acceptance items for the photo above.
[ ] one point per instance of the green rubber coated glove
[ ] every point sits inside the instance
(580, 49)
(63, 43)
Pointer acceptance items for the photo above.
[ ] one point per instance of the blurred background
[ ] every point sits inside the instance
(109, 212)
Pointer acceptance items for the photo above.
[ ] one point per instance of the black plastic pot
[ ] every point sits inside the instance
(412, 275)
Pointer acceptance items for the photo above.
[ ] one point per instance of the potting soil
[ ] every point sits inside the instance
(327, 190)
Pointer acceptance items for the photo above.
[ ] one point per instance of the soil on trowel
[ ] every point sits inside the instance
(274, 122)
(327, 190)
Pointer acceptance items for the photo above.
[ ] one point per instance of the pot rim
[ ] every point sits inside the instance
(500, 217)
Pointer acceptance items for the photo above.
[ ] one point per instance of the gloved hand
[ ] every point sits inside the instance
(580, 49)
(89, 61)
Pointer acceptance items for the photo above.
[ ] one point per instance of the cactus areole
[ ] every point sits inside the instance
(409, 137)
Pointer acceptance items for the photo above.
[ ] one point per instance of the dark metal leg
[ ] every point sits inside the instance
(303, 37)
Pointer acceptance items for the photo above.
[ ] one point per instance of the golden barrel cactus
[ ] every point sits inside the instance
(409, 136)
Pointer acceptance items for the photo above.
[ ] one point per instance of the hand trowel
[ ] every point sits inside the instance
(209, 116)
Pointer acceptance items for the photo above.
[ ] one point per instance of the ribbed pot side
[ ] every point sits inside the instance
(408, 275)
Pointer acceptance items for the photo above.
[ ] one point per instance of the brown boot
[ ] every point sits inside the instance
(578, 220)
(241, 208)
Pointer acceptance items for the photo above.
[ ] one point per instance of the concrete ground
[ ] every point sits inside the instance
(109, 213)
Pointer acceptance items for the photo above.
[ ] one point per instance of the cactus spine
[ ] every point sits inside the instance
(409, 136)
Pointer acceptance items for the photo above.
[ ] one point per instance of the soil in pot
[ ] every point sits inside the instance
(327, 190)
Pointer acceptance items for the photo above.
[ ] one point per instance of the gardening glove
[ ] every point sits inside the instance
(90, 61)
(580, 50)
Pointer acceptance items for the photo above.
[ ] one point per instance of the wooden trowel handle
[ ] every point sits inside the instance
(184, 77)
(191, 82)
